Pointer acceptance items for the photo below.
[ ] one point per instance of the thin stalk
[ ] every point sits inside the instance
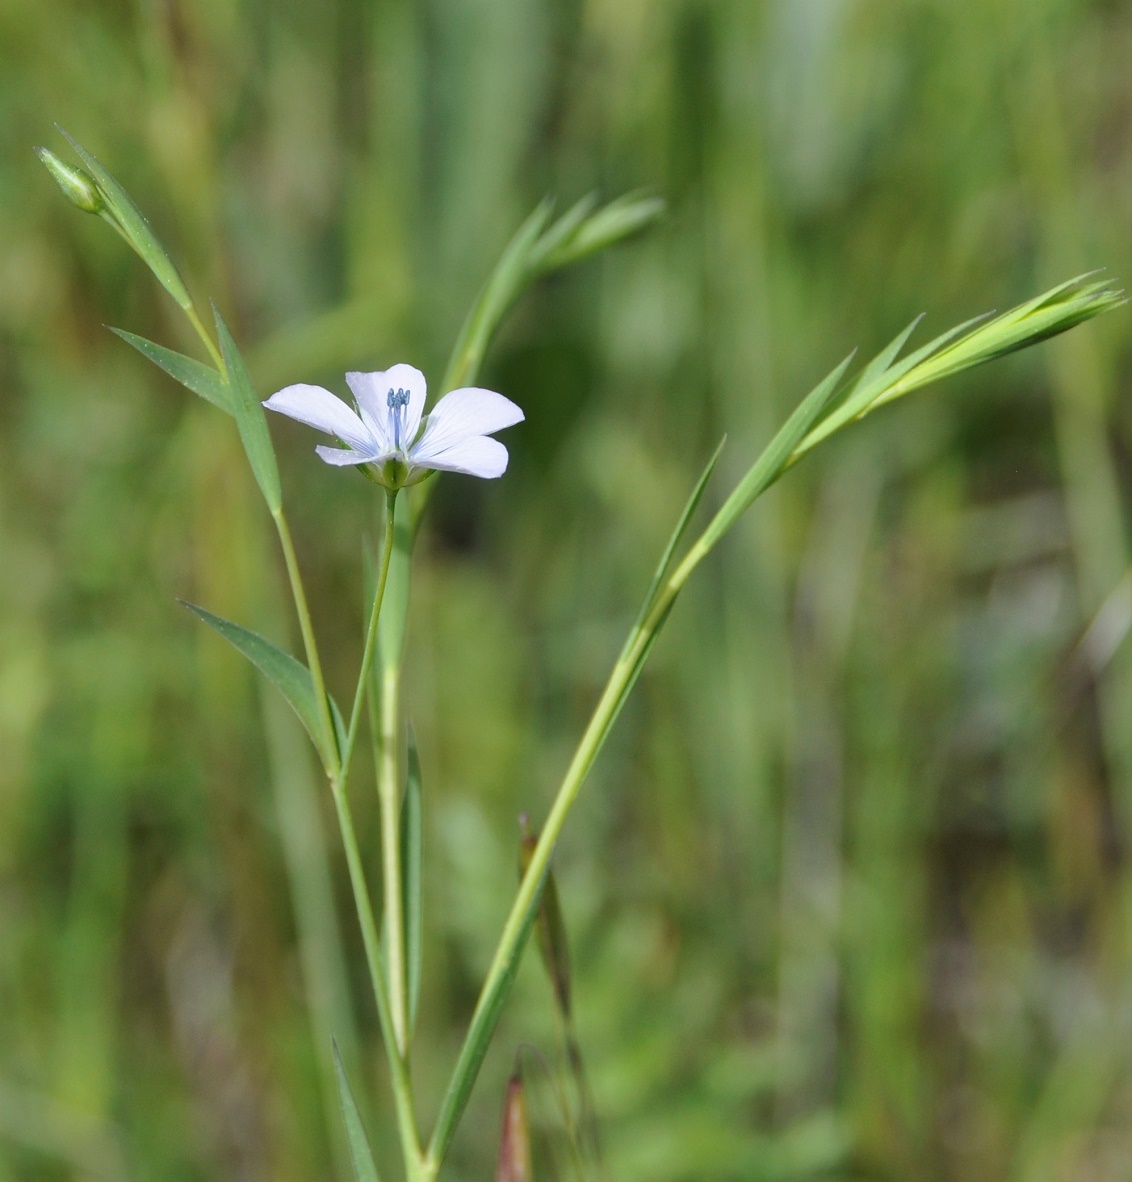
(299, 595)
(206, 337)
(398, 1068)
(371, 644)
(389, 790)
(518, 925)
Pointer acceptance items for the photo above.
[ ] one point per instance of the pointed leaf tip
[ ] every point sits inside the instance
(365, 1169)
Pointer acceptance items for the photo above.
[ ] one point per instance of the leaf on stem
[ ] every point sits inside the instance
(289, 676)
(973, 343)
(515, 1138)
(772, 463)
(365, 1170)
(136, 230)
(250, 419)
(194, 375)
(580, 232)
(412, 840)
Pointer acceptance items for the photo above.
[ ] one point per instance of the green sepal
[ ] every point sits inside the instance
(290, 676)
(192, 374)
(365, 1169)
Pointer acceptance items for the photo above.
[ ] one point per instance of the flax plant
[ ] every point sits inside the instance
(393, 442)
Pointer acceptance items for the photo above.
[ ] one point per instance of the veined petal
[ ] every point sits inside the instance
(340, 457)
(320, 409)
(462, 414)
(476, 455)
(371, 391)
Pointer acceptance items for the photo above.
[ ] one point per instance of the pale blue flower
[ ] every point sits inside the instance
(387, 430)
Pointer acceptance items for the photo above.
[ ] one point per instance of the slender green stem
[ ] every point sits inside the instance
(309, 643)
(206, 337)
(370, 645)
(389, 788)
(398, 1068)
(518, 925)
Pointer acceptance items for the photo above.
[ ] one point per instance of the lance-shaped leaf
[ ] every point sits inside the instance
(515, 1138)
(361, 1155)
(250, 419)
(583, 231)
(289, 676)
(549, 925)
(133, 226)
(194, 375)
(965, 346)
(412, 840)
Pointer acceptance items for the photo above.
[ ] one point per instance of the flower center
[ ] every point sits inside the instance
(397, 400)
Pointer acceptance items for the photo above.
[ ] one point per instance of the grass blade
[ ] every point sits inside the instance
(250, 419)
(360, 1153)
(289, 676)
(194, 375)
(515, 1140)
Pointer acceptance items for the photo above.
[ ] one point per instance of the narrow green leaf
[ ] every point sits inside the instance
(503, 286)
(250, 419)
(772, 463)
(365, 1170)
(289, 676)
(195, 375)
(134, 226)
(562, 231)
(673, 541)
(613, 223)
(412, 841)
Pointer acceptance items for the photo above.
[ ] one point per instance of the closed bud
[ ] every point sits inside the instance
(515, 1139)
(78, 187)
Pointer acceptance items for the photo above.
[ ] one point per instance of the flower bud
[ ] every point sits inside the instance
(78, 187)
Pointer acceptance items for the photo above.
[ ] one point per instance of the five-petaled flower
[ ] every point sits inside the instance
(386, 435)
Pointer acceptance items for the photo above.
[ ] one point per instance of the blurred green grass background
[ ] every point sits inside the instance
(849, 892)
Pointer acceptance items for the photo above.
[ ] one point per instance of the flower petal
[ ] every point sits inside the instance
(320, 409)
(340, 457)
(371, 390)
(477, 455)
(466, 412)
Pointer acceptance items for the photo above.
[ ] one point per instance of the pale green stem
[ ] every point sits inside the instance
(398, 1068)
(310, 645)
(370, 646)
(389, 788)
(206, 337)
(517, 927)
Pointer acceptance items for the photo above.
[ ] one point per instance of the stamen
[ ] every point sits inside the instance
(397, 401)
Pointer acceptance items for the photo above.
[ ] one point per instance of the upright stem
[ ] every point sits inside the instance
(398, 1068)
(371, 644)
(389, 789)
(309, 644)
(518, 925)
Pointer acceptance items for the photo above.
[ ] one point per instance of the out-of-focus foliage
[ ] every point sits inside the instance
(849, 892)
